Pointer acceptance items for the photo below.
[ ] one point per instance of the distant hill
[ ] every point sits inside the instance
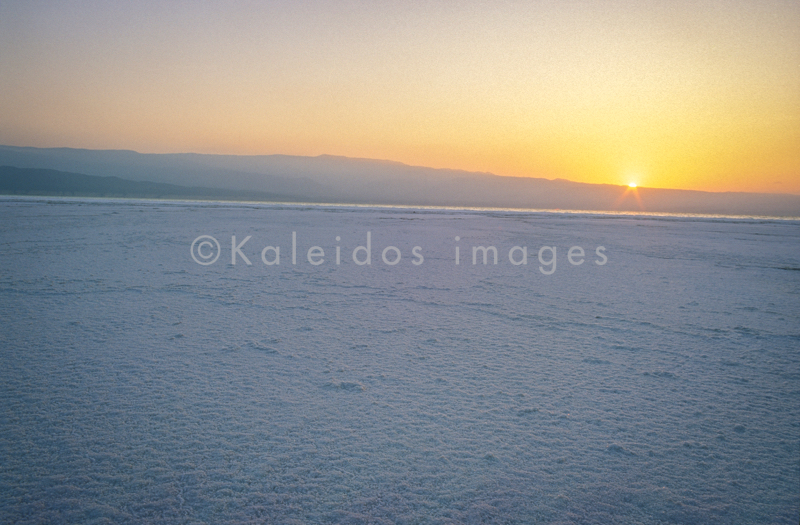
(33, 181)
(364, 181)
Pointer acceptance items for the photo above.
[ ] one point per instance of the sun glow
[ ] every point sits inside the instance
(696, 95)
(631, 192)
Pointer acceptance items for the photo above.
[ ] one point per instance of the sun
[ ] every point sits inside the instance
(631, 184)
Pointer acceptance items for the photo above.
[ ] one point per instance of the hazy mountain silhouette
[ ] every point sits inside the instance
(35, 181)
(340, 179)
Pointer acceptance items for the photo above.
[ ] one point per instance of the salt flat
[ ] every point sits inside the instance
(137, 385)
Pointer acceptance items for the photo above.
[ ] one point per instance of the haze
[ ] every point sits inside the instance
(689, 95)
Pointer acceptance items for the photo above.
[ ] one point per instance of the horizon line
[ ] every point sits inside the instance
(555, 211)
(400, 163)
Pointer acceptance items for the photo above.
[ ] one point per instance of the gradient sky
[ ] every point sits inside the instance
(679, 94)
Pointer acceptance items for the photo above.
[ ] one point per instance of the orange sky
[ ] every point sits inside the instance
(695, 95)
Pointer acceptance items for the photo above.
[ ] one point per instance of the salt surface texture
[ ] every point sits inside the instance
(139, 386)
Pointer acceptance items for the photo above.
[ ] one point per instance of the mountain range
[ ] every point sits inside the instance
(333, 179)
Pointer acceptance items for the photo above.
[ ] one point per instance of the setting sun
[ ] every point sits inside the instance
(631, 184)
(699, 96)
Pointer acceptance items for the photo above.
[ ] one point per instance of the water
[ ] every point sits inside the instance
(139, 386)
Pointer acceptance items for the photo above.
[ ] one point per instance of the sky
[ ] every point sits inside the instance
(700, 95)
